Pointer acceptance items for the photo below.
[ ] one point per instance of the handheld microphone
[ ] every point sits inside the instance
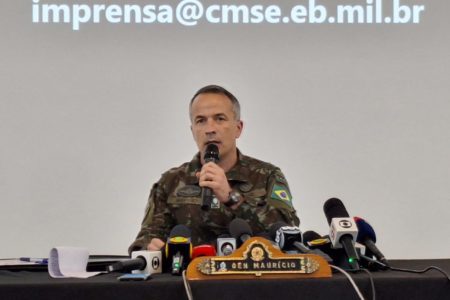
(138, 263)
(178, 249)
(240, 230)
(225, 245)
(343, 230)
(141, 262)
(203, 250)
(367, 237)
(211, 155)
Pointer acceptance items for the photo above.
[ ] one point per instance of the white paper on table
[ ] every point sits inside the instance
(64, 262)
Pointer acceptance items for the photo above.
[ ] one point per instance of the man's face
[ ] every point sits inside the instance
(213, 121)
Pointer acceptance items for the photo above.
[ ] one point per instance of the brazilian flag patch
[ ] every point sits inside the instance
(280, 192)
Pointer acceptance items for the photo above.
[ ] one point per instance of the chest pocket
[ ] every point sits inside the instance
(256, 197)
(185, 210)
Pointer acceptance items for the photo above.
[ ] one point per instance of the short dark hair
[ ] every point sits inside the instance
(216, 89)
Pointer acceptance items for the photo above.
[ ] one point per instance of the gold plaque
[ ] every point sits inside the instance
(257, 257)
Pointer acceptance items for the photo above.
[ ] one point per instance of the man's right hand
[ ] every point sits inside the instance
(155, 245)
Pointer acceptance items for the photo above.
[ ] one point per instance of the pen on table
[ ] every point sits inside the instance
(34, 260)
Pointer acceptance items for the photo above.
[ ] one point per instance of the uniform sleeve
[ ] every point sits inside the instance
(280, 198)
(269, 204)
(157, 220)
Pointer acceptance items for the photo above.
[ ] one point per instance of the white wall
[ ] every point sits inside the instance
(90, 119)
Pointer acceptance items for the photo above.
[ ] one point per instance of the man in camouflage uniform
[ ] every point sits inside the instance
(243, 187)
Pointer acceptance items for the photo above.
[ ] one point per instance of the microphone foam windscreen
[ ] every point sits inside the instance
(365, 230)
(239, 227)
(310, 236)
(180, 230)
(334, 208)
(203, 250)
(211, 152)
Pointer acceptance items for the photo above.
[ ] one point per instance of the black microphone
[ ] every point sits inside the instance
(289, 238)
(367, 237)
(240, 230)
(343, 230)
(309, 236)
(315, 241)
(211, 155)
(138, 263)
(178, 249)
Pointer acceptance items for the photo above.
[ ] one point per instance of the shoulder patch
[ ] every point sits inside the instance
(281, 193)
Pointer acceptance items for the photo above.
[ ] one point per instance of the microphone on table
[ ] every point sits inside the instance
(178, 249)
(323, 243)
(226, 245)
(289, 238)
(240, 230)
(211, 155)
(343, 230)
(127, 265)
(141, 262)
(203, 250)
(313, 239)
(367, 237)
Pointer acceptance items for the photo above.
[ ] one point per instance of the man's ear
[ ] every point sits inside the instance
(240, 127)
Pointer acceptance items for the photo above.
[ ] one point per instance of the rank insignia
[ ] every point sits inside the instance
(189, 191)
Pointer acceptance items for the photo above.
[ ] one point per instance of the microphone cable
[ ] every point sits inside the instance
(355, 287)
(422, 271)
(187, 287)
(407, 270)
(372, 283)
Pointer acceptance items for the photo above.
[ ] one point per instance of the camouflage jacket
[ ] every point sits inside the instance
(176, 199)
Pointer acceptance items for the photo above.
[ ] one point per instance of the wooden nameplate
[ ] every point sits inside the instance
(257, 258)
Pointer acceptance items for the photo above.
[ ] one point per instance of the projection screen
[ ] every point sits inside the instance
(349, 98)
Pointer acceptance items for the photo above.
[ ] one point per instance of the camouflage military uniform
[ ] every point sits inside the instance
(176, 199)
